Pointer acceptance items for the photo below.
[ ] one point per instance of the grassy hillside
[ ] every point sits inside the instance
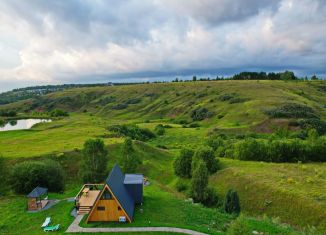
(294, 193)
(176, 100)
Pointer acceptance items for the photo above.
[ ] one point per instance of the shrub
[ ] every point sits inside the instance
(237, 100)
(93, 165)
(133, 101)
(215, 142)
(182, 164)
(159, 129)
(314, 123)
(292, 111)
(3, 175)
(193, 125)
(250, 149)
(132, 131)
(2, 122)
(58, 113)
(30, 174)
(119, 106)
(226, 97)
(181, 186)
(211, 198)
(232, 202)
(10, 113)
(200, 113)
(239, 227)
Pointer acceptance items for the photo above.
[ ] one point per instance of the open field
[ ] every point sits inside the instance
(294, 193)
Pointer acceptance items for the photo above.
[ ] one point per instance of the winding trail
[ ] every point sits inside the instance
(75, 228)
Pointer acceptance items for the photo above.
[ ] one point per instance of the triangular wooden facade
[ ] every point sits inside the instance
(107, 208)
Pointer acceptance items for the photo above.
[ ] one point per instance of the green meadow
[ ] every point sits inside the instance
(276, 198)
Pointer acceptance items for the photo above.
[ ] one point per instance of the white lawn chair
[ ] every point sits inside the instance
(46, 222)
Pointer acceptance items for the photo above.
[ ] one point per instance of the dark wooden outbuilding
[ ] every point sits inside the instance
(37, 199)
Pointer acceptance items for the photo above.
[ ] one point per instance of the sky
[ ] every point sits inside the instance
(90, 41)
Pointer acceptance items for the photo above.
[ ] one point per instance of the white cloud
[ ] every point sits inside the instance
(60, 41)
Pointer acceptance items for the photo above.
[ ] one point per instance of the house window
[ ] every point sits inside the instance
(101, 208)
(106, 195)
(119, 208)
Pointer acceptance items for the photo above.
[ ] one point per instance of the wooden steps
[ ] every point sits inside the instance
(82, 210)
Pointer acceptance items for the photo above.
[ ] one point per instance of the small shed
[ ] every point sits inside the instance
(37, 199)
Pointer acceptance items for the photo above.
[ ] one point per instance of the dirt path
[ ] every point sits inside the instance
(75, 228)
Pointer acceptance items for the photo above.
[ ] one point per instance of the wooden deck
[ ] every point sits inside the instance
(88, 199)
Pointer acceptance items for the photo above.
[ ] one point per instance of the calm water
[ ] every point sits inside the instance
(22, 124)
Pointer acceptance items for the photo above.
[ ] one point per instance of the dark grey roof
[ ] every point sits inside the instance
(37, 192)
(133, 179)
(115, 182)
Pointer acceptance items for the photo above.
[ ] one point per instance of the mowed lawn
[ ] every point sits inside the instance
(58, 136)
(295, 193)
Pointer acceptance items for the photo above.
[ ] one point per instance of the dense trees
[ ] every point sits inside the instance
(129, 160)
(279, 147)
(93, 165)
(182, 164)
(30, 174)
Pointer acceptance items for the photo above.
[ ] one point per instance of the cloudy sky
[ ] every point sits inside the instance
(79, 41)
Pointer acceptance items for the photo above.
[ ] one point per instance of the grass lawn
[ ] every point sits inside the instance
(58, 136)
(163, 208)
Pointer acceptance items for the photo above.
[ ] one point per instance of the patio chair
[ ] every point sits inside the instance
(46, 222)
(52, 228)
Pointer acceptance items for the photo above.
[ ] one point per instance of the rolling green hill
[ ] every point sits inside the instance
(293, 193)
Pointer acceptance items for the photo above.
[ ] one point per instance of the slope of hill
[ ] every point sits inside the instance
(288, 191)
(232, 104)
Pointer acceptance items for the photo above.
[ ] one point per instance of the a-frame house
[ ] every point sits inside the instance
(116, 201)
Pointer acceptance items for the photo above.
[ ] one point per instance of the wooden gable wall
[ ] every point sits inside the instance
(106, 209)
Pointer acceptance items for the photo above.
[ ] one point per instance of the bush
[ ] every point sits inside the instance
(58, 113)
(215, 142)
(206, 154)
(239, 227)
(182, 164)
(250, 149)
(10, 113)
(226, 97)
(30, 174)
(314, 123)
(3, 175)
(292, 111)
(193, 125)
(200, 114)
(232, 202)
(133, 101)
(181, 186)
(238, 100)
(2, 122)
(211, 198)
(132, 131)
(159, 129)
(119, 106)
